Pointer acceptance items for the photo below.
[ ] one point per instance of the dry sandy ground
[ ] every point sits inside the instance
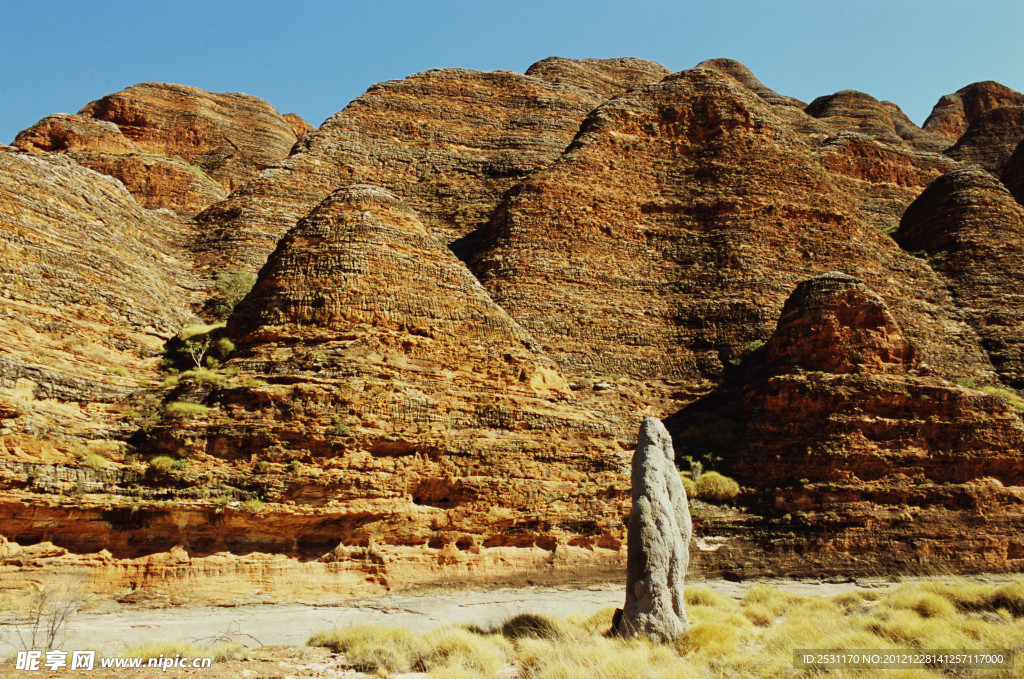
(111, 625)
(277, 633)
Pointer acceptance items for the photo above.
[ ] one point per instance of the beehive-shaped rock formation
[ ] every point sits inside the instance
(971, 229)
(449, 142)
(681, 216)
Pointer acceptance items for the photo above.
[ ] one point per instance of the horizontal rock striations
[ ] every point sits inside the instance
(832, 324)
(863, 445)
(230, 136)
(602, 78)
(990, 140)
(954, 113)
(874, 154)
(668, 236)
(92, 285)
(971, 230)
(857, 112)
(63, 133)
(865, 409)
(387, 372)
(476, 284)
(157, 182)
(172, 146)
(449, 142)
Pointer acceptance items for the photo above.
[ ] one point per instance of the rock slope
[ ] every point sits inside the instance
(954, 113)
(669, 234)
(92, 286)
(449, 142)
(471, 286)
(231, 136)
(422, 403)
(172, 147)
(860, 441)
(970, 228)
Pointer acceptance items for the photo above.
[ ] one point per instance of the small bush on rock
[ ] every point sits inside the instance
(229, 288)
(161, 464)
(716, 488)
(180, 410)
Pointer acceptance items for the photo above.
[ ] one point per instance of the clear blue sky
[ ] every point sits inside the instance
(312, 56)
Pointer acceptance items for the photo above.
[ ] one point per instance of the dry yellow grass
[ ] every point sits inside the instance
(747, 639)
(449, 651)
(369, 648)
(688, 485)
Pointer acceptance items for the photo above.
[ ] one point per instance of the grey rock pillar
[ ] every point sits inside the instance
(658, 543)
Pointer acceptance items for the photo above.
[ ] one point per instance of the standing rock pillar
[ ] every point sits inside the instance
(658, 543)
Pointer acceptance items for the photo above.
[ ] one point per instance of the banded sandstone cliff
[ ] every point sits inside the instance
(471, 287)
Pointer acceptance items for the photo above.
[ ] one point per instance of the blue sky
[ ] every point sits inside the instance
(312, 57)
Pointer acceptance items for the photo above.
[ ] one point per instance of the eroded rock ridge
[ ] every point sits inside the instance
(468, 287)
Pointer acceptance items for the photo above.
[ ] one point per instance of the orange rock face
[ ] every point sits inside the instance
(230, 136)
(63, 133)
(424, 396)
(971, 228)
(850, 441)
(471, 288)
(449, 142)
(954, 113)
(92, 286)
(670, 233)
(173, 147)
(299, 126)
(832, 324)
(157, 182)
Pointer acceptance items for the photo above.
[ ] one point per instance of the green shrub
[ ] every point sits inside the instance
(201, 173)
(716, 488)
(190, 330)
(754, 345)
(688, 485)
(224, 347)
(180, 410)
(696, 469)
(339, 427)
(229, 288)
(530, 625)
(203, 376)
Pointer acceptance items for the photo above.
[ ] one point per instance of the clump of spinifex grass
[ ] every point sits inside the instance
(752, 637)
